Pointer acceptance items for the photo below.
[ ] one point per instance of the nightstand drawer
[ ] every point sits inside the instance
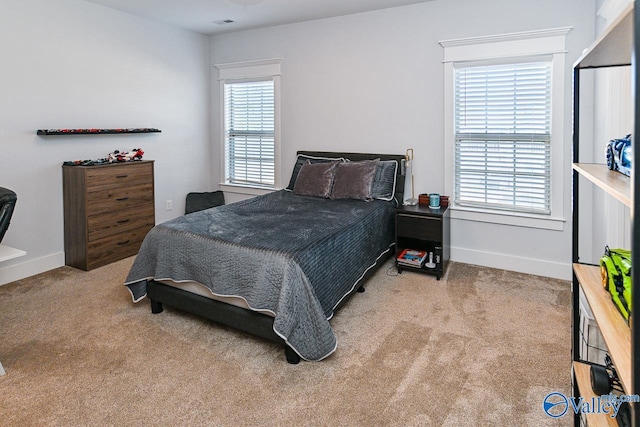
(419, 227)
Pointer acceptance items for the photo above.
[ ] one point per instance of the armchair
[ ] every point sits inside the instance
(7, 202)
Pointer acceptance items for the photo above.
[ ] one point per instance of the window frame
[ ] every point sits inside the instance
(260, 70)
(512, 47)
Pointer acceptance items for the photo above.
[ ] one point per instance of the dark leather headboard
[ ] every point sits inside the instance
(368, 156)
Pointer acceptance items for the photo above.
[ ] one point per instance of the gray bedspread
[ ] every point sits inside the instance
(295, 256)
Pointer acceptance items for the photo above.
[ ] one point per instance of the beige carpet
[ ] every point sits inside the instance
(480, 347)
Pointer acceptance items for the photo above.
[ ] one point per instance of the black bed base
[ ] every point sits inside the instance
(238, 318)
(249, 321)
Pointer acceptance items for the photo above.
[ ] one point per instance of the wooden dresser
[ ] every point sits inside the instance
(108, 210)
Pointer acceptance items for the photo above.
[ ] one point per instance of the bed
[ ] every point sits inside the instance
(278, 266)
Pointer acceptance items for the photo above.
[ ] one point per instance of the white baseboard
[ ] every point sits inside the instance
(556, 270)
(31, 267)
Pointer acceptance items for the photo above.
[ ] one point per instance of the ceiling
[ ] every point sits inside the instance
(205, 16)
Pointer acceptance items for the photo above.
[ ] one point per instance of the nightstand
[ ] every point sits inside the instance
(422, 228)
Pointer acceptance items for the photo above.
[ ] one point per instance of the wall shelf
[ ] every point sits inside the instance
(51, 132)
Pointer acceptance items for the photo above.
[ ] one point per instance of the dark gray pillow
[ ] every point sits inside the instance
(302, 159)
(384, 182)
(315, 179)
(353, 180)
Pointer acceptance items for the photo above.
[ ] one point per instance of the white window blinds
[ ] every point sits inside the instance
(503, 136)
(249, 132)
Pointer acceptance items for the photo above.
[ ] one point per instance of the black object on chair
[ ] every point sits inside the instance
(7, 202)
(201, 201)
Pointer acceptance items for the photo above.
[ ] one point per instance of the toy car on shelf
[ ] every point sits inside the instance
(615, 271)
(619, 153)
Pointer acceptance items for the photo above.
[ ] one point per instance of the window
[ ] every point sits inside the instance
(502, 122)
(505, 109)
(249, 133)
(250, 126)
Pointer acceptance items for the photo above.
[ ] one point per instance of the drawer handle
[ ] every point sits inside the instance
(122, 221)
(121, 176)
(123, 243)
(120, 199)
(419, 216)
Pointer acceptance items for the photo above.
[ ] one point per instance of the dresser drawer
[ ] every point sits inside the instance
(110, 223)
(115, 199)
(113, 248)
(102, 178)
(419, 227)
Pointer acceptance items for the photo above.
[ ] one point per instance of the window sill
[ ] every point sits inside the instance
(507, 218)
(246, 189)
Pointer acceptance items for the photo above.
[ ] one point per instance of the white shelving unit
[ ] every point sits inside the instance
(615, 48)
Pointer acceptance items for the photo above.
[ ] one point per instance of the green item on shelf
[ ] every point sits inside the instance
(615, 269)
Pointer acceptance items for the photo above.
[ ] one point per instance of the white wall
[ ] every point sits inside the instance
(613, 119)
(73, 64)
(372, 82)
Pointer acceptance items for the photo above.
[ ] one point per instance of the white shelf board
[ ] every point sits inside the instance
(613, 47)
(7, 253)
(612, 182)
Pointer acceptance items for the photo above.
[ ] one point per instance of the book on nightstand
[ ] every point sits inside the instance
(412, 257)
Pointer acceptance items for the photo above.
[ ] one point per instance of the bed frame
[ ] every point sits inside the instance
(254, 322)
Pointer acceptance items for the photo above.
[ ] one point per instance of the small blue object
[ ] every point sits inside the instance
(619, 154)
(434, 200)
